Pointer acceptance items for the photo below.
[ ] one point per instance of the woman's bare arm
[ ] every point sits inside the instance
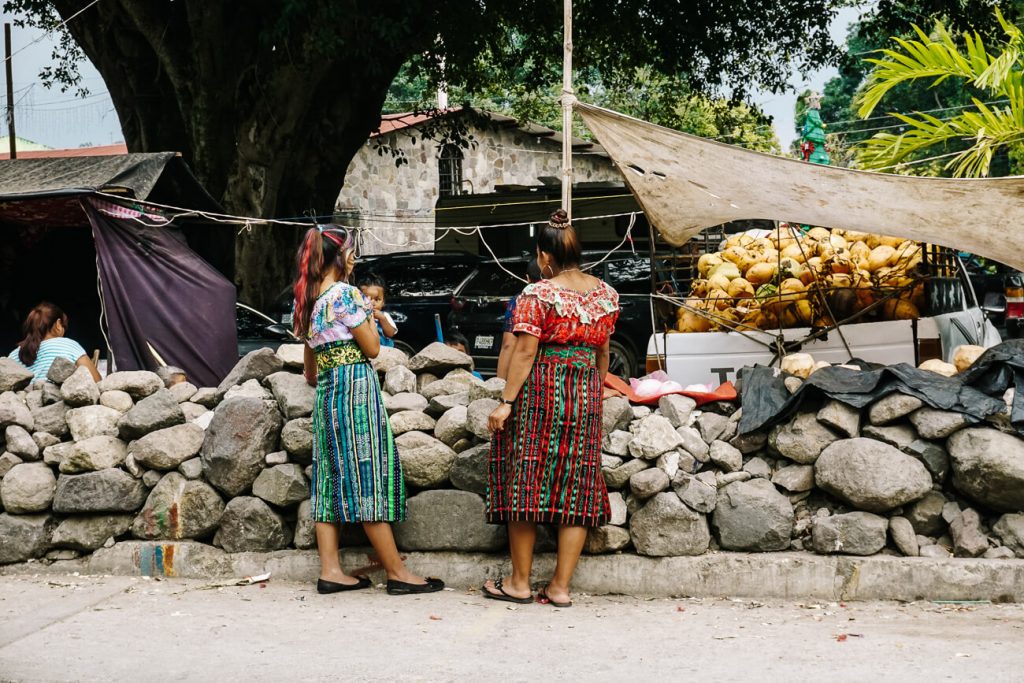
(86, 362)
(602, 361)
(365, 335)
(508, 344)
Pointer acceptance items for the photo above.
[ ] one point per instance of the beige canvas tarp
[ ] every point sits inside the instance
(686, 183)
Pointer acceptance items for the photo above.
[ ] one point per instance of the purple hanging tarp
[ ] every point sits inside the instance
(160, 296)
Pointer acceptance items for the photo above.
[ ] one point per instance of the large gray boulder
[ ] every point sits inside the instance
(304, 537)
(90, 421)
(7, 463)
(297, 439)
(256, 365)
(841, 418)
(617, 477)
(399, 402)
(18, 441)
(14, 411)
(698, 494)
(726, 456)
(165, 449)
(24, 536)
(251, 388)
(80, 389)
(154, 412)
(935, 424)
(477, 414)
(448, 520)
(292, 355)
(605, 539)
(649, 482)
(59, 452)
(491, 388)
(439, 405)
(136, 383)
(893, 407)
(451, 426)
(470, 469)
(968, 538)
(752, 516)
(411, 421)
(988, 466)
(448, 386)
(664, 526)
(853, 533)
(179, 508)
(400, 379)
(616, 413)
(93, 454)
(28, 488)
(241, 434)
(871, 475)
(439, 358)
(250, 525)
(293, 394)
(86, 533)
(388, 358)
(802, 439)
(183, 391)
(51, 419)
(60, 370)
(933, 456)
(903, 537)
(1010, 530)
(111, 490)
(677, 409)
(654, 435)
(694, 444)
(426, 462)
(925, 515)
(795, 478)
(118, 400)
(13, 376)
(282, 485)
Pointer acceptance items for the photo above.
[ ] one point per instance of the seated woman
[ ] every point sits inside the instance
(44, 342)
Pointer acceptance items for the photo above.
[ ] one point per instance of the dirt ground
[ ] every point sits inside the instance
(116, 628)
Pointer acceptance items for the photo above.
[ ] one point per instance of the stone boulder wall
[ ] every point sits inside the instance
(84, 466)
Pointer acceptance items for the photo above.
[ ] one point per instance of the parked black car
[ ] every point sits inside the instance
(257, 330)
(478, 309)
(419, 284)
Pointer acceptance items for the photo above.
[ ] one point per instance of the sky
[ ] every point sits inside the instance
(63, 120)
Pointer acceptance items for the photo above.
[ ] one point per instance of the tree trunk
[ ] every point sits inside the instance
(267, 126)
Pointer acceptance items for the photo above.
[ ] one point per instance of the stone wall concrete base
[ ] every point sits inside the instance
(768, 575)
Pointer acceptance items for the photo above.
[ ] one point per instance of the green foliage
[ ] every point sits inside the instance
(938, 58)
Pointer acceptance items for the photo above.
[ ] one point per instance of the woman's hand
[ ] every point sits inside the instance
(496, 420)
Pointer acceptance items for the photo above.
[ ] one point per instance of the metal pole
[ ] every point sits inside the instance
(567, 101)
(10, 90)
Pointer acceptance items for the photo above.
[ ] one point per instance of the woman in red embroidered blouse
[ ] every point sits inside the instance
(546, 452)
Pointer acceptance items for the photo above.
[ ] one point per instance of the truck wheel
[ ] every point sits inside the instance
(621, 361)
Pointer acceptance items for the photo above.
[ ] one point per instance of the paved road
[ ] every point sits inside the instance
(131, 629)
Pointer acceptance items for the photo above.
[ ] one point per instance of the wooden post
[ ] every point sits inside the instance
(567, 101)
(10, 91)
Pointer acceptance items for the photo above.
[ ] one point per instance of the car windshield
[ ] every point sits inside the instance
(421, 278)
(491, 280)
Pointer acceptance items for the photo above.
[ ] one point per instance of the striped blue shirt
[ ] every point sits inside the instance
(49, 351)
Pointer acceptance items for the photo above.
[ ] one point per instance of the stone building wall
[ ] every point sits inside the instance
(401, 199)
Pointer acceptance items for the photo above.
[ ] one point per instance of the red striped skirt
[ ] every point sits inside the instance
(546, 463)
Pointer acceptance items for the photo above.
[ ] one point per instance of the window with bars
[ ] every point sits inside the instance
(449, 170)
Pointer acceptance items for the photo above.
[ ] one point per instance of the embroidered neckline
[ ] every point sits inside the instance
(583, 305)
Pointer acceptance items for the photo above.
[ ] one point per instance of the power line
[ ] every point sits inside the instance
(59, 26)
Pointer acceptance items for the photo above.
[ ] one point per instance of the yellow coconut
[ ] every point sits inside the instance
(740, 289)
(706, 262)
(760, 273)
(735, 254)
(819, 234)
(880, 257)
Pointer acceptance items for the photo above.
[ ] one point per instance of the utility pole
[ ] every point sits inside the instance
(10, 90)
(568, 99)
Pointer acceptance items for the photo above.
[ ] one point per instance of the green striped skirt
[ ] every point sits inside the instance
(357, 476)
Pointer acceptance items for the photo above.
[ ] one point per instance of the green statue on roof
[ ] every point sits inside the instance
(812, 137)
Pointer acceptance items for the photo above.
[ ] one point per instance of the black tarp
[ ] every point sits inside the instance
(161, 300)
(157, 291)
(767, 402)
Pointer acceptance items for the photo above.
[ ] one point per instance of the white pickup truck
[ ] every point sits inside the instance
(715, 357)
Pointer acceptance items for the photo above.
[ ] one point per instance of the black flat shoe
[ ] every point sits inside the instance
(402, 588)
(324, 586)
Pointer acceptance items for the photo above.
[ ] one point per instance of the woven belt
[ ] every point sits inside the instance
(335, 354)
(569, 354)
